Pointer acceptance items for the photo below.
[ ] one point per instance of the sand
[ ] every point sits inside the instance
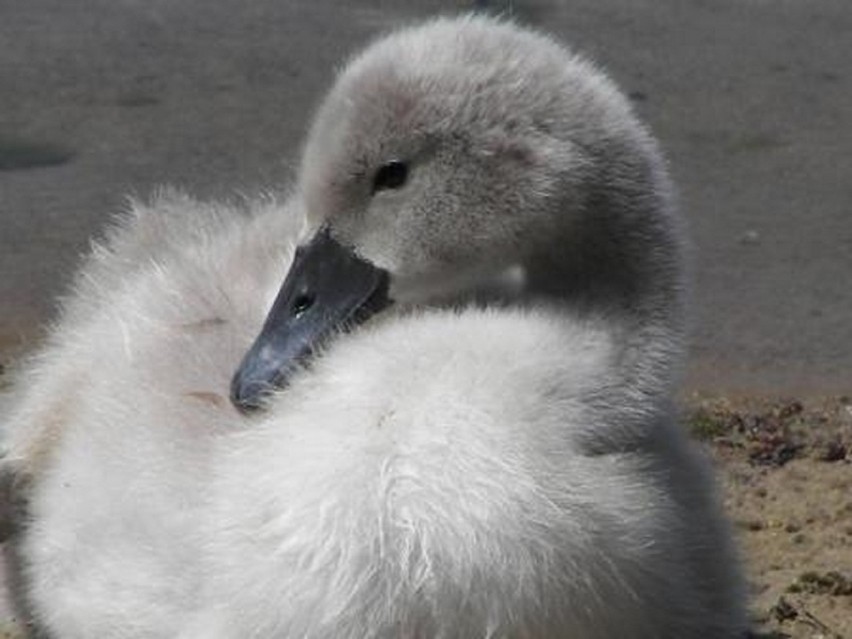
(785, 468)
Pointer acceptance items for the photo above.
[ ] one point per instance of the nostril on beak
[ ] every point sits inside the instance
(302, 303)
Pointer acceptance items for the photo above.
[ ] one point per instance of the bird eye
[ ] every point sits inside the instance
(390, 176)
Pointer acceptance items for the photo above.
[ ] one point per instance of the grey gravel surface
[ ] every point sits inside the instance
(752, 100)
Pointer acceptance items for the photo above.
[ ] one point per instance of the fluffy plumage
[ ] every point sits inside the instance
(443, 471)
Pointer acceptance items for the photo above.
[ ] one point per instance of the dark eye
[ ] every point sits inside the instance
(390, 176)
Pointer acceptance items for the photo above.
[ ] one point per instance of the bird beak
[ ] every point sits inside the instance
(328, 288)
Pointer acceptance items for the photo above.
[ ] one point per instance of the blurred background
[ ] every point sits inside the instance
(752, 100)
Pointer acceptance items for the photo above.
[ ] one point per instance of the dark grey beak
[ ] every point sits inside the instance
(328, 288)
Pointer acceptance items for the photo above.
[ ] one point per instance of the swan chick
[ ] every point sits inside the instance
(396, 457)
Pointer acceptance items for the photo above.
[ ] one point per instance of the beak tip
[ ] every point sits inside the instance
(247, 396)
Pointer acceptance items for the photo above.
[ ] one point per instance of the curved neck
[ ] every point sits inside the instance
(620, 261)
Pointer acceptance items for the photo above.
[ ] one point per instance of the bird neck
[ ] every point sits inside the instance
(621, 263)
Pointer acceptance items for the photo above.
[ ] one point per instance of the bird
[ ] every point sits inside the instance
(429, 392)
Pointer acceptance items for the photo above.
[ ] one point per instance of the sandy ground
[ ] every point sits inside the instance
(786, 471)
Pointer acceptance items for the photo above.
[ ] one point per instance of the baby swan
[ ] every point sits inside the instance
(451, 467)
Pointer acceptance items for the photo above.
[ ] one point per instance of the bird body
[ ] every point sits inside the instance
(448, 475)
